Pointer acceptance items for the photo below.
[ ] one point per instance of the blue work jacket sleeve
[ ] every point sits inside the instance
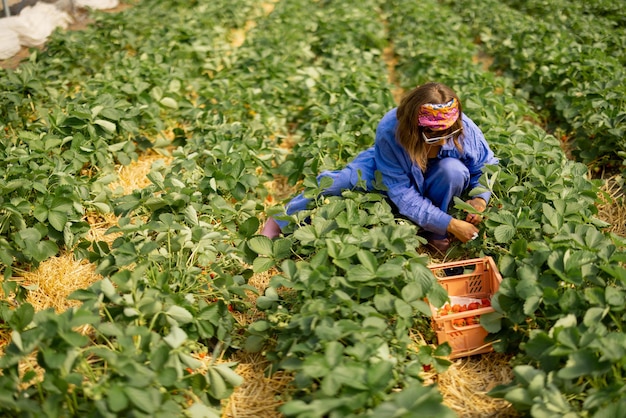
(404, 179)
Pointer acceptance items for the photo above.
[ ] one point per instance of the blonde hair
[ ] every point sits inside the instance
(409, 133)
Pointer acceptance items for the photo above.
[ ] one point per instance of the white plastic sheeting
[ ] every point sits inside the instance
(9, 43)
(35, 24)
(97, 4)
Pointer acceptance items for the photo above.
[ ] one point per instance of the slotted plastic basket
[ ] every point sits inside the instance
(477, 278)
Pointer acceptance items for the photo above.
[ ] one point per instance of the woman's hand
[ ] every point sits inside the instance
(480, 205)
(463, 230)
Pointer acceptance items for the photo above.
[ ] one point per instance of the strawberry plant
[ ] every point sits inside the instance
(560, 269)
(301, 94)
(576, 89)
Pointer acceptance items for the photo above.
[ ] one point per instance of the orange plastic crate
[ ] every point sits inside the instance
(480, 279)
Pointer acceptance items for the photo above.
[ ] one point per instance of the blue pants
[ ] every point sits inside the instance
(443, 180)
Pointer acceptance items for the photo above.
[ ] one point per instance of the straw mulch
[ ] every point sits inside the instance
(391, 62)
(259, 395)
(465, 384)
(49, 287)
(55, 279)
(612, 208)
(260, 282)
(134, 176)
(279, 190)
(99, 224)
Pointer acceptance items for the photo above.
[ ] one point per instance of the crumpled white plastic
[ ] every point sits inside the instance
(36, 23)
(9, 43)
(97, 4)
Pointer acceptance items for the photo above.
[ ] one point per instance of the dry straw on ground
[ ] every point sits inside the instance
(259, 395)
(259, 281)
(262, 393)
(612, 208)
(99, 225)
(134, 176)
(465, 385)
(55, 279)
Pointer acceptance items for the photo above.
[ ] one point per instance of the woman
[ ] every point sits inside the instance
(428, 152)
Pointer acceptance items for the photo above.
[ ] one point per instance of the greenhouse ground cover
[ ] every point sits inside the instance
(188, 241)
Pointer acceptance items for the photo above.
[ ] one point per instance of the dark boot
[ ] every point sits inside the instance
(440, 245)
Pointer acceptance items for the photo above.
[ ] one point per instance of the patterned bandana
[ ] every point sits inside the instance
(438, 117)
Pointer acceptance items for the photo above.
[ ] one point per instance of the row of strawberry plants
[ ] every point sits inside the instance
(341, 328)
(209, 199)
(601, 27)
(186, 223)
(572, 81)
(86, 118)
(210, 150)
(562, 300)
(170, 277)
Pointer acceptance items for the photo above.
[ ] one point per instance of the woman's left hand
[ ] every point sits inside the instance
(480, 205)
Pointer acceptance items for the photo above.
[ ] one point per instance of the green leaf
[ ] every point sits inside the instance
(281, 248)
(169, 102)
(74, 338)
(412, 292)
(159, 357)
(106, 125)
(217, 385)
(437, 295)
(200, 410)
(403, 309)
(40, 213)
(504, 233)
(21, 317)
(261, 245)
(249, 227)
(43, 250)
(359, 274)
(156, 93)
(614, 296)
(117, 399)
(531, 304)
(141, 399)
(333, 353)
(16, 339)
(57, 219)
(389, 270)
(254, 343)
(191, 362)
(462, 205)
(384, 301)
(368, 260)
(229, 375)
(422, 307)
(179, 314)
(583, 363)
(261, 264)
(175, 338)
(380, 375)
(266, 301)
(491, 321)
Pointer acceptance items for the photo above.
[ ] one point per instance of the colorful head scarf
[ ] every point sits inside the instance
(438, 117)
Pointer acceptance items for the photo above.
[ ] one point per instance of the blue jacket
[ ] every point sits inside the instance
(405, 180)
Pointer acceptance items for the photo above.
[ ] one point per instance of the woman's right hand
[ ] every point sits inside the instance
(464, 231)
